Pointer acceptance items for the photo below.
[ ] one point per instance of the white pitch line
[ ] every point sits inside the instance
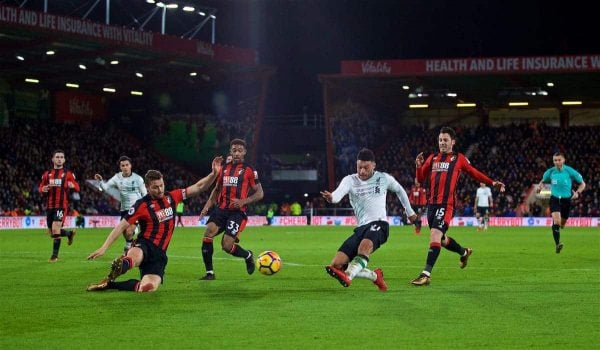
(286, 263)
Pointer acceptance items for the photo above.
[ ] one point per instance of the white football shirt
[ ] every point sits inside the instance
(130, 188)
(368, 197)
(484, 196)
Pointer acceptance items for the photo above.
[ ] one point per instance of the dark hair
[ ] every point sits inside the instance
(237, 142)
(123, 158)
(366, 155)
(57, 151)
(152, 175)
(559, 154)
(448, 130)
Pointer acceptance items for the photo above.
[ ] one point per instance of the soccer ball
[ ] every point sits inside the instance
(268, 262)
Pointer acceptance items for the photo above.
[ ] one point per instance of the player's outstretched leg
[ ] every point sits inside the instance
(338, 275)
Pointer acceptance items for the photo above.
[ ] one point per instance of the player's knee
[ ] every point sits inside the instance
(211, 230)
(227, 245)
(147, 287)
(228, 248)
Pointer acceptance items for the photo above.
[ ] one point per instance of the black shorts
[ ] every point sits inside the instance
(53, 215)
(155, 260)
(562, 205)
(232, 222)
(438, 217)
(482, 210)
(376, 231)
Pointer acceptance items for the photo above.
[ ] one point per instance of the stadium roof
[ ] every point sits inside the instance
(56, 48)
(490, 82)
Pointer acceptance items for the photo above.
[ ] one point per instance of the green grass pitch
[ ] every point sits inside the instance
(515, 293)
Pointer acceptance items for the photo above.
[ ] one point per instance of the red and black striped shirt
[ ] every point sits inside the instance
(417, 196)
(443, 172)
(156, 217)
(235, 180)
(58, 192)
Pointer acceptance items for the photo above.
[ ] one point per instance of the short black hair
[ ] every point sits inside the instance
(237, 142)
(366, 155)
(448, 130)
(123, 158)
(559, 153)
(57, 151)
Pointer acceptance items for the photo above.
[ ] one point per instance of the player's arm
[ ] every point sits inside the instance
(204, 183)
(579, 190)
(112, 236)
(100, 180)
(423, 167)
(212, 199)
(339, 193)
(545, 179)
(402, 196)
(257, 195)
(577, 178)
(111, 183)
(72, 183)
(43, 186)
(142, 188)
(479, 176)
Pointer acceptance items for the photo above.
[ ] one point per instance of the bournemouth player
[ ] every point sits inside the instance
(367, 189)
(131, 188)
(155, 213)
(418, 201)
(561, 177)
(443, 170)
(232, 192)
(56, 184)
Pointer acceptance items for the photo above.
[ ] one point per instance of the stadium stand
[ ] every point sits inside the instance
(89, 149)
(518, 154)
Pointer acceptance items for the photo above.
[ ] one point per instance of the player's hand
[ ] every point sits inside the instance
(237, 203)
(204, 212)
(98, 177)
(45, 188)
(419, 160)
(327, 195)
(499, 184)
(98, 253)
(575, 195)
(70, 185)
(217, 164)
(412, 218)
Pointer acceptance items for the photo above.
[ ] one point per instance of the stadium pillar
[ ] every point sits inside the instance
(260, 112)
(328, 134)
(564, 117)
(484, 116)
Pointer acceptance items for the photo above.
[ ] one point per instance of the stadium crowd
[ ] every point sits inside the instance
(517, 154)
(89, 149)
